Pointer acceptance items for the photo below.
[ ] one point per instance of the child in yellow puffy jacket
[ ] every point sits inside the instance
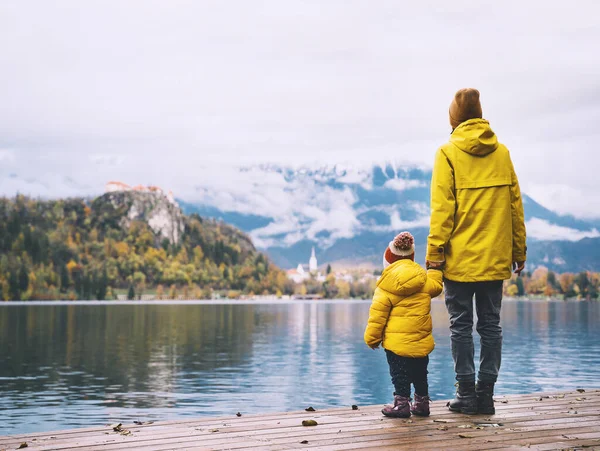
(400, 320)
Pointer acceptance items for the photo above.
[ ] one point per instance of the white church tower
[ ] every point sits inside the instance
(312, 263)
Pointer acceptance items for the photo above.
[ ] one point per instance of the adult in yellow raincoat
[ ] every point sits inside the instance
(477, 233)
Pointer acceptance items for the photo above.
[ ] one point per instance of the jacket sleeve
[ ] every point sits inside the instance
(519, 252)
(443, 208)
(434, 285)
(378, 316)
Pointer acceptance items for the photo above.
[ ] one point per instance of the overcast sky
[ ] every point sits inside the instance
(162, 91)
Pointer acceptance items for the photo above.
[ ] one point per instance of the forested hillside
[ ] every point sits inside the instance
(79, 249)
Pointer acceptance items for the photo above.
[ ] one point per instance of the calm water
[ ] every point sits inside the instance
(64, 366)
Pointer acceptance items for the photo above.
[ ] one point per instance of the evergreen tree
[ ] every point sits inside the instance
(64, 278)
(23, 279)
(131, 293)
(551, 280)
(102, 286)
(520, 287)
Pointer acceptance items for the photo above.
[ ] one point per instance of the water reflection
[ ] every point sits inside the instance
(75, 365)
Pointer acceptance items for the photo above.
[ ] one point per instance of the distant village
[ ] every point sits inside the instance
(307, 274)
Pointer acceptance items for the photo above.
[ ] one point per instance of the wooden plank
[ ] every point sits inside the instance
(288, 432)
(524, 414)
(326, 421)
(518, 401)
(253, 421)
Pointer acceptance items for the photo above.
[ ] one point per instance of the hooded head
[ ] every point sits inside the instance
(465, 106)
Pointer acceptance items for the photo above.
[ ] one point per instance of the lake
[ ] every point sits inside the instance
(86, 364)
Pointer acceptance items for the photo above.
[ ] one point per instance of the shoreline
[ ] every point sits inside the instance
(260, 301)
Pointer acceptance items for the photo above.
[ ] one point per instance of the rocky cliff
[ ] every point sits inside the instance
(162, 215)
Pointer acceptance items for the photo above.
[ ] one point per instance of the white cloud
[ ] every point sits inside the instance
(107, 159)
(7, 156)
(397, 223)
(543, 230)
(243, 82)
(564, 199)
(403, 184)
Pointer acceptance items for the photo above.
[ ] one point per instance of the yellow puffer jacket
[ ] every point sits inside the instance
(477, 223)
(400, 313)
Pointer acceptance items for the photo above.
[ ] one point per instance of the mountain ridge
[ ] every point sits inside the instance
(349, 213)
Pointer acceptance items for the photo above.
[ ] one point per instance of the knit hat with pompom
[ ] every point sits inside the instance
(401, 247)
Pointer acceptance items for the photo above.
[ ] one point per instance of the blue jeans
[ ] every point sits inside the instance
(488, 301)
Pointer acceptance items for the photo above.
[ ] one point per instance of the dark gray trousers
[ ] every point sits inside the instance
(488, 301)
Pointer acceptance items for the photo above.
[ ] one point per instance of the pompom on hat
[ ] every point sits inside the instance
(401, 247)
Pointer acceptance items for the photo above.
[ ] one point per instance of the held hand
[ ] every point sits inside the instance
(518, 267)
(434, 265)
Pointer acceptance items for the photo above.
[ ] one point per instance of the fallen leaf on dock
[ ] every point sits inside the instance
(310, 409)
(138, 422)
(309, 423)
(440, 421)
(579, 399)
(126, 432)
(117, 427)
(23, 445)
(442, 428)
(581, 390)
(238, 414)
(213, 430)
(504, 401)
(304, 442)
(466, 435)
(465, 426)
(354, 407)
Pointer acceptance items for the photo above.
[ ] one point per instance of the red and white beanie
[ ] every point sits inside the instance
(402, 246)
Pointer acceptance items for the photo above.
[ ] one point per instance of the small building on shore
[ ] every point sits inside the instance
(305, 272)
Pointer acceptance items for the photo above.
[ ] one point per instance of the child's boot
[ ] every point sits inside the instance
(465, 400)
(400, 409)
(485, 398)
(420, 406)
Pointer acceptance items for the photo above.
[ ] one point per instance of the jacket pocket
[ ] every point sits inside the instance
(483, 183)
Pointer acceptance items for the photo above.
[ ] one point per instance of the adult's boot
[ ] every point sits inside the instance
(485, 398)
(465, 400)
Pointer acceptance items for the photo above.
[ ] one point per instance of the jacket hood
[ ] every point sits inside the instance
(403, 278)
(475, 137)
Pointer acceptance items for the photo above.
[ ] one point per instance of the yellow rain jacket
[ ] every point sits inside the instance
(477, 223)
(400, 313)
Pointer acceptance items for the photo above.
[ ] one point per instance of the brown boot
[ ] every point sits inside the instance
(420, 406)
(400, 409)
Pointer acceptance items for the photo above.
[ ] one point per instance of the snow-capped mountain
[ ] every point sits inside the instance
(350, 214)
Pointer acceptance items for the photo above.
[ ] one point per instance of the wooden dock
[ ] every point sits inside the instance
(547, 421)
